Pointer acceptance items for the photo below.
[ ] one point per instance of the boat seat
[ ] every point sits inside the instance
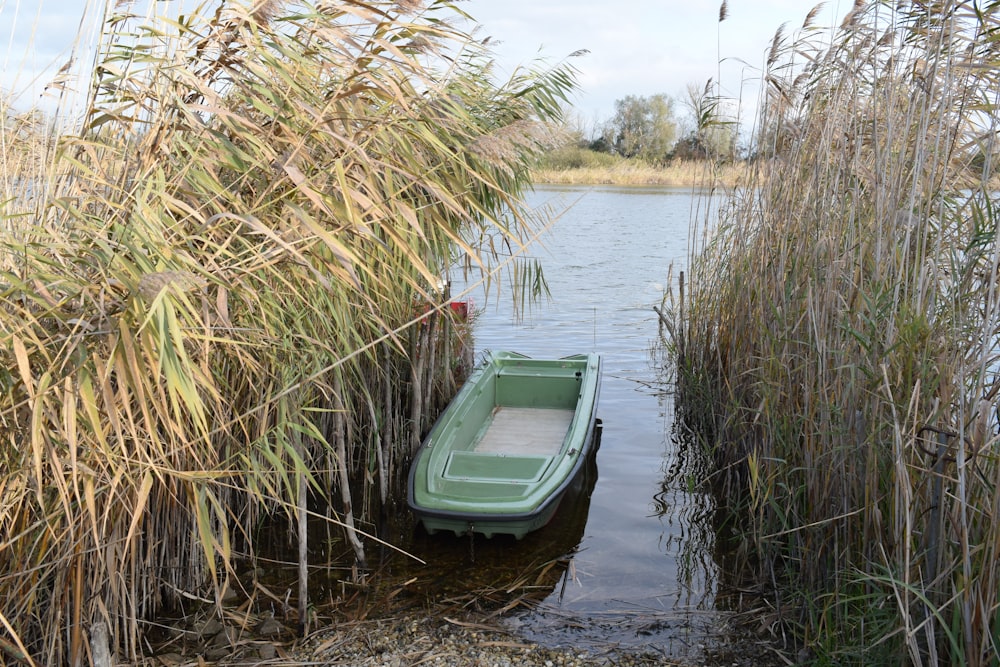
(548, 388)
(495, 466)
(553, 372)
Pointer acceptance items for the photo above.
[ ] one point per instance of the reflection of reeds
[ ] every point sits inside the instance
(226, 305)
(841, 337)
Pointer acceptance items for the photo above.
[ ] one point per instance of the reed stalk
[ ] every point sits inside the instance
(841, 337)
(209, 288)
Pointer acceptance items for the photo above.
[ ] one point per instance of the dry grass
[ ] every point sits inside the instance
(220, 297)
(628, 172)
(838, 341)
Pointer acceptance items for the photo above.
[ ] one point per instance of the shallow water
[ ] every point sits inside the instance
(632, 564)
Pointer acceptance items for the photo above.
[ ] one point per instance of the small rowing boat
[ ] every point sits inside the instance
(509, 445)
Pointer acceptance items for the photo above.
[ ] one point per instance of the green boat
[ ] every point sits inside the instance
(509, 445)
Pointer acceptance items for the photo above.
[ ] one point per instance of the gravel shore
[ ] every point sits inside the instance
(411, 619)
(443, 641)
(427, 638)
(446, 642)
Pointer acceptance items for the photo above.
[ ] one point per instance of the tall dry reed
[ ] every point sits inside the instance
(221, 297)
(840, 337)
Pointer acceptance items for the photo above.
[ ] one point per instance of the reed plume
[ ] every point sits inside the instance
(220, 297)
(841, 338)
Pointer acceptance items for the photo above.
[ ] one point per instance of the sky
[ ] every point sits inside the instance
(37, 38)
(635, 47)
(647, 47)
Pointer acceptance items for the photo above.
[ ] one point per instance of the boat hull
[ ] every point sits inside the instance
(503, 455)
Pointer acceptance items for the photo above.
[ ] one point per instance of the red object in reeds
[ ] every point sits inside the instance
(461, 308)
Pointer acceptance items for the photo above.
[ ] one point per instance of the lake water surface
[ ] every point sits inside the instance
(636, 565)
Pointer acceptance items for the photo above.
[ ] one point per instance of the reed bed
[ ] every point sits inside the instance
(678, 173)
(221, 297)
(837, 339)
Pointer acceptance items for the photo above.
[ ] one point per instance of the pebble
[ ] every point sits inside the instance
(270, 627)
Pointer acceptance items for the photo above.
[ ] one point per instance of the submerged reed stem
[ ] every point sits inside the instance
(207, 284)
(844, 305)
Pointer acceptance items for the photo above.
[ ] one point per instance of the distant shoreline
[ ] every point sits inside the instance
(683, 175)
(679, 174)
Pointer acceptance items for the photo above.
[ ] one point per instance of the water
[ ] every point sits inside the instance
(635, 565)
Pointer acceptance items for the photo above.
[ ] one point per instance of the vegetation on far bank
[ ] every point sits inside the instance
(646, 142)
(573, 165)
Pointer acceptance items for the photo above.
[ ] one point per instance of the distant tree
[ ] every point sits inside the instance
(689, 147)
(642, 127)
(712, 135)
(601, 145)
